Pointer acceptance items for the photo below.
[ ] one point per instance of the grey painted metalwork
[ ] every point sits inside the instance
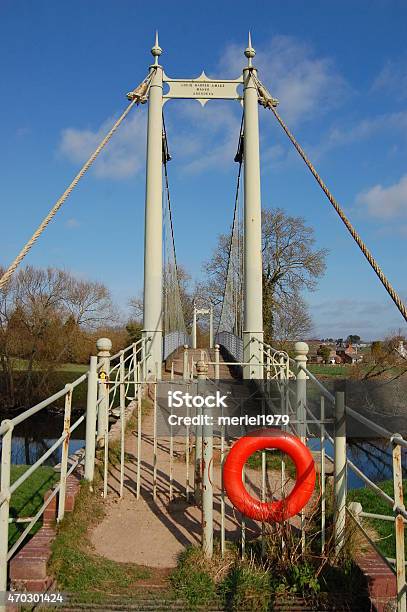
(232, 343)
(323, 492)
(174, 340)
(153, 256)
(399, 525)
(253, 267)
(65, 453)
(340, 471)
(104, 346)
(301, 352)
(207, 468)
(91, 418)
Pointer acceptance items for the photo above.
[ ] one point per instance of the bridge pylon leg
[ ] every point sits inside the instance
(253, 267)
(153, 259)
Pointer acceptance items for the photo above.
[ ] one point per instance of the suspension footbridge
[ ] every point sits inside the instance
(171, 484)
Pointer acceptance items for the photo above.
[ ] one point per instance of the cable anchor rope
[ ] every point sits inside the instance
(144, 87)
(266, 100)
(140, 93)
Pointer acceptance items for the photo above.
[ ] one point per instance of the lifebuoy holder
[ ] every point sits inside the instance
(279, 510)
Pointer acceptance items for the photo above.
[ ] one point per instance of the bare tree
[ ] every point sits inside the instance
(186, 296)
(45, 316)
(292, 321)
(291, 263)
(89, 303)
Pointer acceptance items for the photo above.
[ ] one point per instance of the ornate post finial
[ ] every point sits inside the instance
(250, 52)
(156, 50)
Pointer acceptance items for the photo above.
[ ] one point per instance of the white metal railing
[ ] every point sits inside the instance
(174, 340)
(396, 503)
(232, 343)
(102, 384)
(284, 371)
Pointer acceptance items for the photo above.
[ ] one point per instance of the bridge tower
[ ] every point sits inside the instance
(153, 258)
(253, 268)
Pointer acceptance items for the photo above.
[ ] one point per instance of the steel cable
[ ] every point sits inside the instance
(137, 95)
(269, 103)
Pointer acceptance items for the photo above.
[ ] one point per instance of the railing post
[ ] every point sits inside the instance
(211, 326)
(323, 468)
(399, 525)
(143, 358)
(216, 361)
(5, 504)
(91, 400)
(135, 370)
(122, 396)
(301, 352)
(340, 471)
(185, 368)
(194, 329)
(139, 415)
(268, 365)
(207, 466)
(198, 441)
(65, 453)
(104, 346)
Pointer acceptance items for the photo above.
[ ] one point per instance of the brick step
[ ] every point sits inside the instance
(143, 605)
(381, 581)
(28, 568)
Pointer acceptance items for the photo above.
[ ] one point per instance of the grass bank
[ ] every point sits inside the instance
(29, 497)
(233, 584)
(371, 502)
(330, 370)
(90, 578)
(273, 462)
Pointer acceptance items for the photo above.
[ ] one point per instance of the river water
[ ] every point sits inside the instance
(33, 437)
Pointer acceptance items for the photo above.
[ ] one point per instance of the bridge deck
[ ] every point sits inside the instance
(153, 532)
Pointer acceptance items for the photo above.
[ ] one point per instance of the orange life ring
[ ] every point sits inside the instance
(269, 511)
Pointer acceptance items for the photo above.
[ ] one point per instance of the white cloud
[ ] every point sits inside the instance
(386, 202)
(392, 79)
(23, 131)
(123, 156)
(204, 138)
(371, 319)
(305, 84)
(72, 223)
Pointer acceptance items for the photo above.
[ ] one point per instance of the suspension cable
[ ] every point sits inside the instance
(239, 157)
(137, 95)
(166, 158)
(268, 102)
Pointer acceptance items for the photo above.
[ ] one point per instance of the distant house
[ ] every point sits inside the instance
(348, 354)
(333, 357)
(401, 350)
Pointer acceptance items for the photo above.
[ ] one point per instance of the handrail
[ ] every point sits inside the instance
(133, 356)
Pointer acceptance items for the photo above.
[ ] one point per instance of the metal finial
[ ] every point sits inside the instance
(156, 50)
(250, 52)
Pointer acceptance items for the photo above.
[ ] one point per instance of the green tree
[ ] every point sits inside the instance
(353, 339)
(324, 352)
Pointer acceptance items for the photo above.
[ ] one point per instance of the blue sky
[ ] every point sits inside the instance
(339, 70)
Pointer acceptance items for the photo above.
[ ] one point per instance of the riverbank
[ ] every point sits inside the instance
(374, 504)
(29, 497)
